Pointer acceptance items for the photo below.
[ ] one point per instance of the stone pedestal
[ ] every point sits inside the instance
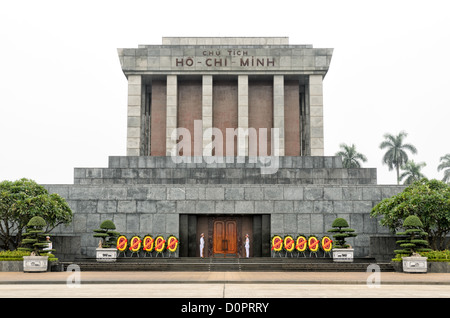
(35, 263)
(415, 264)
(106, 254)
(343, 254)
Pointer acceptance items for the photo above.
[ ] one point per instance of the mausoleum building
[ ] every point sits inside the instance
(225, 137)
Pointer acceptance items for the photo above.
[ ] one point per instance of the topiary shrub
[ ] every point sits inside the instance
(34, 240)
(413, 243)
(107, 234)
(342, 230)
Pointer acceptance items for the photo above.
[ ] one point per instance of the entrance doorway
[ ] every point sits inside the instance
(224, 235)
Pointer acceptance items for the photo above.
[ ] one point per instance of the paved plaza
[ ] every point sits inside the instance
(191, 285)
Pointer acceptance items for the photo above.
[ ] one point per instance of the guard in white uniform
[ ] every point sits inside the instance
(202, 244)
(247, 246)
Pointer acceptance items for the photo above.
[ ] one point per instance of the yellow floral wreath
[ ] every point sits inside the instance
(159, 244)
(289, 243)
(148, 243)
(313, 244)
(135, 243)
(172, 243)
(327, 244)
(121, 244)
(301, 243)
(277, 243)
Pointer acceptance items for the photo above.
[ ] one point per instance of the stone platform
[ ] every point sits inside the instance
(262, 264)
(154, 196)
(236, 170)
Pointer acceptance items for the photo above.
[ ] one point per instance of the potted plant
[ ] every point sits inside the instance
(342, 252)
(34, 241)
(106, 250)
(413, 243)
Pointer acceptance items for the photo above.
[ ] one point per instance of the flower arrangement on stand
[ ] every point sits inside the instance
(148, 245)
(135, 245)
(289, 244)
(160, 243)
(326, 245)
(277, 244)
(313, 245)
(172, 244)
(301, 244)
(121, 244)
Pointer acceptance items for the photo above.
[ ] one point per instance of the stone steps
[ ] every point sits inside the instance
(162, 170)
(231, 264)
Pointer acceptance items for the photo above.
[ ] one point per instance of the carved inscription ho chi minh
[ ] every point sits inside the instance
(225, 58)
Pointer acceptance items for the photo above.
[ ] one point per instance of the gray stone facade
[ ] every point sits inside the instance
(149, 192)
(142, 200)
(240, 57)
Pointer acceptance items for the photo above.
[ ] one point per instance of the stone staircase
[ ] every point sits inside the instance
(263, 264)
(239, 170)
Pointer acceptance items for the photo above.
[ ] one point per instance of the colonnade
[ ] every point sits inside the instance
(313, 113)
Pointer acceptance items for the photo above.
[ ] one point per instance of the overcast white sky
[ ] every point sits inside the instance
(63, 96)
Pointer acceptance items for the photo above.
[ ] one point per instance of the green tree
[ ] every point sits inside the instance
(350, 157)
(23, 199)
(412, 172)
(342, 231)
(34, 237)
(396, 155)
(412, 241)
(427, 199)
(445, 165)
(107, 234)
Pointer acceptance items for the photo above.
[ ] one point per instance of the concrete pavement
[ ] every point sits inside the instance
(215, 285)
(169, 277)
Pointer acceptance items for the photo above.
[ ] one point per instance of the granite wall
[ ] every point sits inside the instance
(147, 195)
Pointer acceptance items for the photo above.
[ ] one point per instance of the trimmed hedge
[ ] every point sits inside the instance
(433, 256)
(18, 256)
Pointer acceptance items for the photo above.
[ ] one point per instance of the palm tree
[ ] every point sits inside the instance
(350, 157)
(445, 165)
(396, 156)
(412, 171)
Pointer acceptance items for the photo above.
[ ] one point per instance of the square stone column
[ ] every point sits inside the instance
(207, 113)
(242, 148)
(316, 115)
(171, 116)
(278, 115)
(134, 115)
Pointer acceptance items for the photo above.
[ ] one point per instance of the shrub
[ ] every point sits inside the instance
(13, 255)
(437, 256)
(433, 256)
(342, 230)
(413, 242)
(18, 256)
(34, 238)
(107, 233)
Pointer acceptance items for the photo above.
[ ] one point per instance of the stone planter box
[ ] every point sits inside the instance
(432, 267)
(17, 266)
(343, 254)
(106, 254)
(414, 264)
(35, 264)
